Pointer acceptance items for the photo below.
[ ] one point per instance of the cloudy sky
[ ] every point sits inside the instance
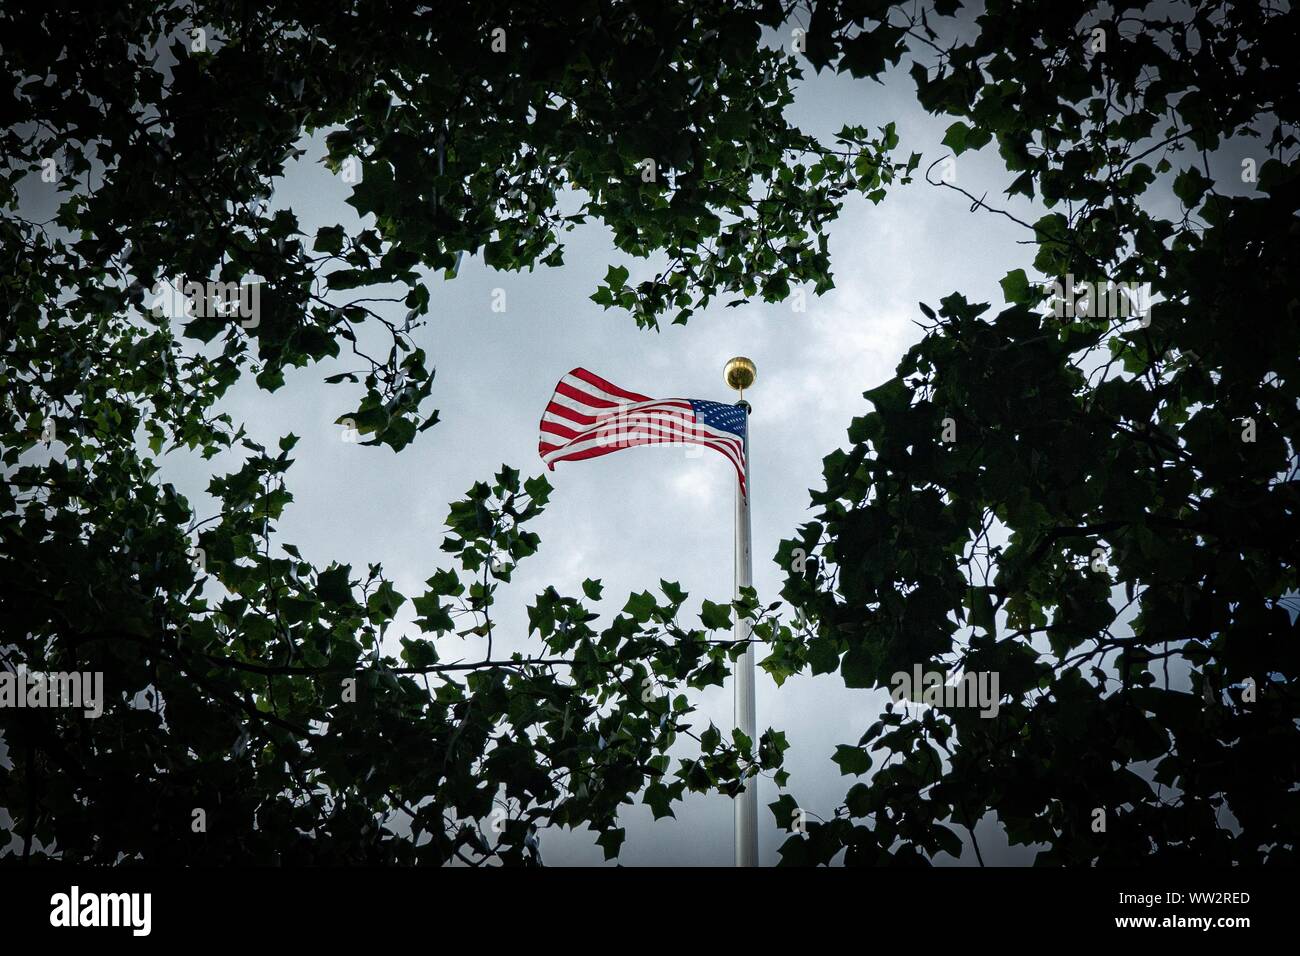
(644, 514)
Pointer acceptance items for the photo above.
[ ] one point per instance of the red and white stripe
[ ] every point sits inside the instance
(588, 416)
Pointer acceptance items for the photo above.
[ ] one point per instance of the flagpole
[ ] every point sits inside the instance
(739, 374)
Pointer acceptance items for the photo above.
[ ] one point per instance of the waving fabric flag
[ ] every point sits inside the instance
(588, 417)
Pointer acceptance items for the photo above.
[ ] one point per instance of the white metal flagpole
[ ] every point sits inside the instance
(740, 373)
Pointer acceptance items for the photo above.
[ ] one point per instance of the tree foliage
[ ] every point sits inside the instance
(1113, 530)
(244, 678)
(228, 654)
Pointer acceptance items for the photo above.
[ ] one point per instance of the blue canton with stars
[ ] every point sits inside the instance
(717, 415)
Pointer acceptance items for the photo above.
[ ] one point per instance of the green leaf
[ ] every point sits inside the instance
(710, 739)
(673, 591)
(851, 760)
(332, 585)
(784, 810)
(1015, 287)
(955, 137)
(610, 841)
(640, 607)
(715, 616)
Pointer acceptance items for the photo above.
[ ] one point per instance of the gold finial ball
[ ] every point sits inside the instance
(740, 373)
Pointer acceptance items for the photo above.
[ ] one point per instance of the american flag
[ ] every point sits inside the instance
(588, 417)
